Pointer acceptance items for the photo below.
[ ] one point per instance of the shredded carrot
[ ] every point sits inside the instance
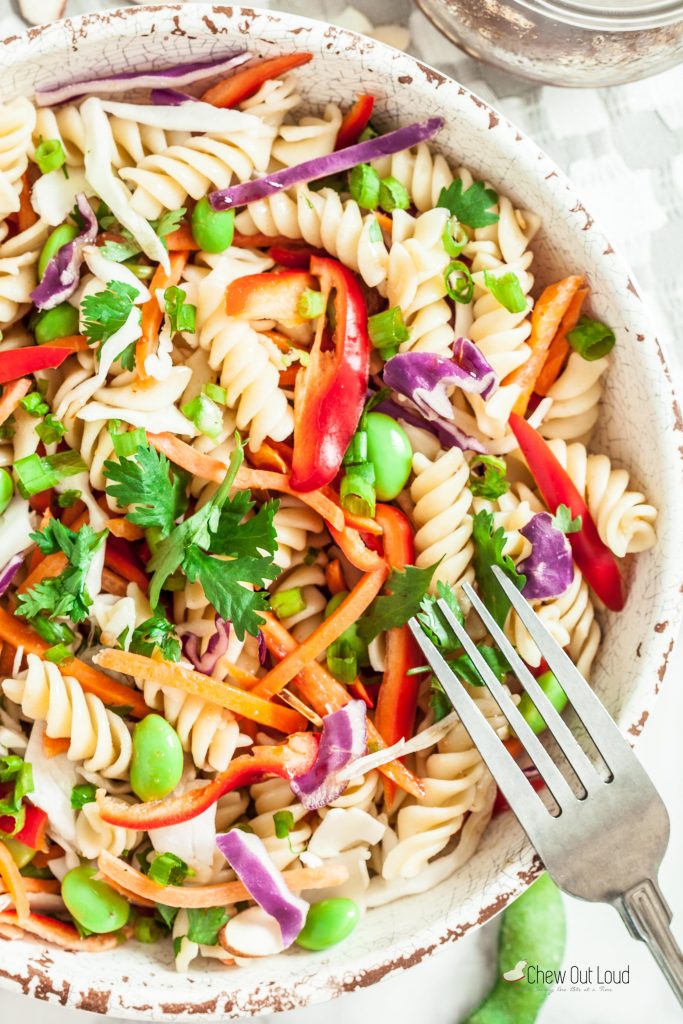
(7, 656)
(514, 747)
(123, 528)
(27, 216)
(386, 223)
(75, 342)
(559, 346)
(114, 584)
(244, 83)
(16, 632)
(281, 340)
(546, 317)
(74, 513)
(348, 612)
(12, 394)
(152, 315)
(182, 240)
(287, 378)
(207, 468)
(363, 524)
(218, 895)
(14, 883)
(223, 694)
(245, 680)
(60, 933)
(358, 554)
(334, 577)
(50, 566)
(48, 886)
(266, 457)
(54, 745)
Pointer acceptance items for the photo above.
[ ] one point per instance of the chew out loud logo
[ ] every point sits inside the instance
(592, 975)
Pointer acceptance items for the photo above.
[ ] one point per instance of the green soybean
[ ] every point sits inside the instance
(93, 903)
(55, 240)
(157, 761)
(212, 230)
(554, 693)
(532, 935)
(391, 454)
(328, 922)
(60, 322)
(21, 853)
(6, 489)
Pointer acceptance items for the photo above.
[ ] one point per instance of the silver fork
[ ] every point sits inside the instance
(604, 845)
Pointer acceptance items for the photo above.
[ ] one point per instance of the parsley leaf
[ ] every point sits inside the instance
(169, 222)
(14, 769)
(463, 666)
(223, 583)
(562, 520)
(117, 252)
(433, 622)
(64, 595)
(470, 206)
(205, 924)
(156, 633)
(147, 482)
(234, 536)
(106, 312)
(487, 477)
(488, 551)
(166, 915)
(406, 590)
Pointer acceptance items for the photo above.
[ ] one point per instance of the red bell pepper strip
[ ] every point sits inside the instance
(330, 393)
(296, 257)
(271, 296)
(118, 557)
(245, 83)
(288, 761)
(594, 559)
(500, 804)
(398, 692)
(33, 832)
(18, 362)
(355, 121)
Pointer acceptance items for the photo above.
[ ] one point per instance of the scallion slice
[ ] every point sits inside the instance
(357, 489)
(205, 414)
(216, 393)
(50, 430)
(127, 442)
(345, 669)
(507, 290)
(50, 155)
(454, 237)
(182, 314)
(311, 304)
(591, 339)
(462, 289)
(38, 473)
(393, 195)
(58, 653)
(288, 602)
(387, 331)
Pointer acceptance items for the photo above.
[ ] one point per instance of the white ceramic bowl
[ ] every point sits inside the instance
(640, 426)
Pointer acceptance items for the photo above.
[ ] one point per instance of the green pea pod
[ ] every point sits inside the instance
(532, 935)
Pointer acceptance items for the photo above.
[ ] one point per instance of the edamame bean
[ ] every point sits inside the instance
(532, 932)
(60, 322)
(93, 903)
(212, 230)
(554, 693)
(328, 922)
(55, 240)
(21, 853)
(157, 761)
(390, 453)
(6, 489)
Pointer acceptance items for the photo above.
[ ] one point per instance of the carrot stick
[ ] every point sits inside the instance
(12, 394)
(152, 315)
(218, 895)
(545, 320)
(42, 885)
(386, 223)
(54, 745)
(334, 577)
(76, 342)
(225, 695)
(321, 691)
(182, 240)
(114, 584)
(60, 933)
(14, 884)
(50, 566)
(281, 340)
(514, 747)
(351, 543)
(266, 457)
(363, 524)
(559, 346)
(244, 84)
(27, 216)
(123, 528)
(208, 468)
(348, 612)
(16, 632)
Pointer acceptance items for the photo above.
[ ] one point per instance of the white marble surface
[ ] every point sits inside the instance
(614, 168)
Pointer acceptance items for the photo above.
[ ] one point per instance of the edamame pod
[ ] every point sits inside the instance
(62, 235)
(93, 903)
(157, 761)
(328, 922)
(390, 452)
(554, 693)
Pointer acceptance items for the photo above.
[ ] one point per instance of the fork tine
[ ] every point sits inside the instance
(524, 802)
(551, 774)
(596, 720)
(579, 762)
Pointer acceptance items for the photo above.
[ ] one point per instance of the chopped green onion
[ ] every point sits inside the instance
(82, 795)
(288, 602)
(58, 653)
(357, 489)
(50, 430)
(38, 473)
(393, 195)
(507, 290)
(68, 498)
(50, 155)
(492, 482)
(463, 289)
(34, 404)
(364, 186)
(454, 237)
(284, 823)
(368, 133)
(591, 339)
(216, 393)
(167, 869)
(357, 452)
(53, 632)
(311, 556)
(387, 331)
(343, 667)
(205, 414)
(146, 930)
(182, 314)
(311, 304)
(126, 442)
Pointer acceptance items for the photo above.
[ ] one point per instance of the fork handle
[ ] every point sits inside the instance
(647, 916)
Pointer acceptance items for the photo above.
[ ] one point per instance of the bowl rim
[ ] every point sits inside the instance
(53, 985)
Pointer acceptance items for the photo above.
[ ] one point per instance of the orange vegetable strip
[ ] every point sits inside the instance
(385, 222)
(546, 317)
(121, 527)
(207, 468)
(559, 346)
(7, 657)
(218, 895)
(223, 694)
(287, 378)
(182, 240)
(334, 577)
(281, 340)
(39, 885)
(49, 566)
(363, 524)
(152, 315)
(27, 216)
(12, 394)
(60, 933)
(76, 342)
(245, 83)
(321, 691)
(18, 633)
(54, 745)
(266, 457)
(351, 543)
(112, 583)
(125, 568)
(14, 884)
(514, 747)
(348, 612)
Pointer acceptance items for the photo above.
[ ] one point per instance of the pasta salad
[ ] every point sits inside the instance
(273, 383)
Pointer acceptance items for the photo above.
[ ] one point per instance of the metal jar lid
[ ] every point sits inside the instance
(614, 16)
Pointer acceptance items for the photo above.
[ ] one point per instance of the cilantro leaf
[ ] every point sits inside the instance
(234, 536)
(487, 477)
(14, 769)
(156, 633)
(106, 312)
(223, 583)
(406, 590)
(84, 794)
(117, 252)
(471, 206)
(169, 222)
(166, 915)
(147, 482)
(488, 551)
(562, 520)
(204, 924)
(64, 595)
(433, 622)
(463, 666)
(438, 701)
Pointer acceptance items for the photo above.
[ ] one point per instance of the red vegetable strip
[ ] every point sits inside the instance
(245, 83)
(351, 543)
(117, 559)
(33, 831)
(12, 394)
(269, 296)
(594, 559)
(293, 256)
(18, 362)
(26, 216)
(152, 315)
(355, 121)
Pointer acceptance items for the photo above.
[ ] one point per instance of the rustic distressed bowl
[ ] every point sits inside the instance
(640, 426)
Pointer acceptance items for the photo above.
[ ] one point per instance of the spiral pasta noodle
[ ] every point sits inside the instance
(294, 524)
(93, 835)
(18, 276)
(272, 796)
(575, 396)
(309, 138)
(442, 516)
(17, 119)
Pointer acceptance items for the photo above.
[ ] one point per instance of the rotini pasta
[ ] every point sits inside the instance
(441, 514)
(17, 119)
(18, 259)
(575, 400)
(94, 835)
